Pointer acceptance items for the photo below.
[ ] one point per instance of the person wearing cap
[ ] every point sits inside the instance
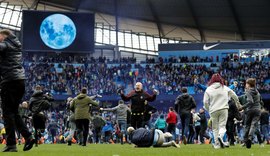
(121, 114)
(138, 97)
(143, 137)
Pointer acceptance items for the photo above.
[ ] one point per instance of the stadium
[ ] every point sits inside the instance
(122, 77)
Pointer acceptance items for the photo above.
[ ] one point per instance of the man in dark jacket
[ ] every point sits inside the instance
(183, 105)
(148, 111)
(233, 113)
(252, 109)
(203, 123)
(38, 103)
(143, 137)
(138, 98)
(13, 88)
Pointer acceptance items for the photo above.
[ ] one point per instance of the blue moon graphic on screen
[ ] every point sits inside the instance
(57, 31)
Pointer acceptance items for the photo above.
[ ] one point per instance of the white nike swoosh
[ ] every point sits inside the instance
(209, 47)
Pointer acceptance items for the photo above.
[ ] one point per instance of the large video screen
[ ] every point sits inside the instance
(57, 31)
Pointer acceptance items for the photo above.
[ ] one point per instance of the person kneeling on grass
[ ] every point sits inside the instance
(143, 137)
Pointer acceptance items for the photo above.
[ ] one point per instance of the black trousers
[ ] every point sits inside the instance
(82, 126)
(203, 135)
(11, 94)
(136, 121)
(171, 128)
(191, 134)
(39, 121)
(230, 130)
(97, 134)
(197, 129)
(252, 118)
(185, 120)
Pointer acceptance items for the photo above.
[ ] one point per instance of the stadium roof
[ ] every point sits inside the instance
(197, 20)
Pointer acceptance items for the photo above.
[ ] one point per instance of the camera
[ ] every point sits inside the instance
(119, 90)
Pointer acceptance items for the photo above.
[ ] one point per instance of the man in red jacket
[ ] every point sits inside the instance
(171, 121)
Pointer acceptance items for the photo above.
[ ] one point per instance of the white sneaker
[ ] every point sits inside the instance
(175, 144)
(262, 145)
(226, 144)
(222, 143)
(216, 146)
(99, 96)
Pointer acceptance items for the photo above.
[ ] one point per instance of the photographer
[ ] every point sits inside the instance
(38, 103)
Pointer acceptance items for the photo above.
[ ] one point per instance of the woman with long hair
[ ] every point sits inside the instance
(216, 98)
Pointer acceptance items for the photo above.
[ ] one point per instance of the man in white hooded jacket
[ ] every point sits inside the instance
(216, 98)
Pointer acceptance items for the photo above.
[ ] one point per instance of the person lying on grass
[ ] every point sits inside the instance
(143, 137)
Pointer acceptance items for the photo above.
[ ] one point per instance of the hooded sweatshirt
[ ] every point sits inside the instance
(39, 102)
(253, 100)
(81, 106)
(184, 103)
(216, 97)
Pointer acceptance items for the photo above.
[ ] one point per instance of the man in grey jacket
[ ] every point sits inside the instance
(13, 88)
(121, 113)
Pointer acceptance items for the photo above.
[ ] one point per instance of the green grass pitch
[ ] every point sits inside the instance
(129, 150)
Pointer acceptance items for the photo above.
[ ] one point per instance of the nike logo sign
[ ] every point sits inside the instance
(209, 47)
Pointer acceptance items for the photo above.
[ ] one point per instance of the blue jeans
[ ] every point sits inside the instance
(265, 132)
(123, 127)
(240, 133)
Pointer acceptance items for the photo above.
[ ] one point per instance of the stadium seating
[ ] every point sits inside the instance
(59, 76)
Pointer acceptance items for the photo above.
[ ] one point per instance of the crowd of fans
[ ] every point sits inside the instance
(57, 128)
(73, 58)
(182, 59)
(104, 78)
(168, 77)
